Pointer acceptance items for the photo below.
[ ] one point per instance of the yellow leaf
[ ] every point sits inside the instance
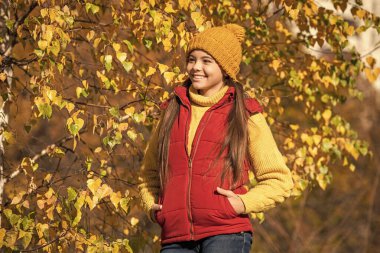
(317, 139)
(167, 44)
(306, 138)
(184, 4)
(90, 35)
(44, 12)
(50, 212)
(96, 42)
(150, 72)
(169, 8)
(3, 76)
(130, 111)
(123, 126)
(41, 228)
(11, 238)
(370, 60)
(49, 193)
(121, 56)
(94, 185)
(360, 13)
(345, 161)
(143, 5)
(70, 107)
(41, 204)
(276, 64)
(294, 127)
(103, 191)
(293, 13)
(198, 18)
(351, 149)
(162, 67)
(327, 114)
(132, 134)
(350, 30)
(134, 221)
(169, 76)
(17, 199)
(25, 204)
(90, 202)
(333, 19)
(115, 198)
(371, 78)
(42, 44)
(2, 235)
(322, 181)
(116, 46)
(9, 138)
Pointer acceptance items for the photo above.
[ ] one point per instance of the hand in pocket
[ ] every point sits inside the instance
(154, 208)
(234, 199)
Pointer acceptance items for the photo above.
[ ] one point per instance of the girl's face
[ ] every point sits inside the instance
(204, 72)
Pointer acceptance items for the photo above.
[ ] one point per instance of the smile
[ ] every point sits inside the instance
(198, 77)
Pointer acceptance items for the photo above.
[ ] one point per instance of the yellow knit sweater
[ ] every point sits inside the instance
(273, 176)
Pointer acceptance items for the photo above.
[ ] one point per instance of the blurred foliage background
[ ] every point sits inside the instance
(81, 82)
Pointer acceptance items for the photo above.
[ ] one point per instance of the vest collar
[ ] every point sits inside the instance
(182, 92)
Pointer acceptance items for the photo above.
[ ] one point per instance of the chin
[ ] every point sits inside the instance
(198, 85)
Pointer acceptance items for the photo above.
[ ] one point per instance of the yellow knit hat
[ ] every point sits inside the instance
(224, 44)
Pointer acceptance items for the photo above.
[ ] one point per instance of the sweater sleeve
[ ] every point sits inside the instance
(274, 179)
(149, 181)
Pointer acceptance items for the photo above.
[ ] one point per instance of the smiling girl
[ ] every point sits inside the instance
(210, 134)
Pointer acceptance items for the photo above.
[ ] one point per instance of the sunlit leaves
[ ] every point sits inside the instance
(108, 62)
(198, 19)
(92, 8)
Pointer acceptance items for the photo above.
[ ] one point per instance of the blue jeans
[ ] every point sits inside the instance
(226, 243)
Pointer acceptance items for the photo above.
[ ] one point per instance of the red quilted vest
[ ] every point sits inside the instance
(191, 207)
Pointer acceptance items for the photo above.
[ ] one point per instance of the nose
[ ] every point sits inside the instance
(197, 65)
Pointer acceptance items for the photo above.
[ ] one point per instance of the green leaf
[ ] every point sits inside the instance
(108, 62)
(132, 135)
(27, 239)
(129, 45)
(148, 43)
(114, 111)
(124, 204)
(9, 23)
(127, 66)
(45, 110)
(92, 7)
(71, 194)
(55, 48)
(325, 98)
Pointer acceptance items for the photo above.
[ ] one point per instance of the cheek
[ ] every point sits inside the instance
(188, 67)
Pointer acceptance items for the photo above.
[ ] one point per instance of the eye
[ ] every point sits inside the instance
(190, 59)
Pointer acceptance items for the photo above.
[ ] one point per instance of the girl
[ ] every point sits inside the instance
(196, 163)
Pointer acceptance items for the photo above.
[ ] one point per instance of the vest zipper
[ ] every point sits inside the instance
(189, 165)
(190, 156)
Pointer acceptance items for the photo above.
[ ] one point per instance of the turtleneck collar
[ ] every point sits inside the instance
(206, 101)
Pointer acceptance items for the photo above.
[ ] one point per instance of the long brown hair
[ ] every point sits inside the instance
(236, 139)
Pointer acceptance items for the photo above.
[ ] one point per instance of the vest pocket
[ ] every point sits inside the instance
(229, 209)
(159, 218)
